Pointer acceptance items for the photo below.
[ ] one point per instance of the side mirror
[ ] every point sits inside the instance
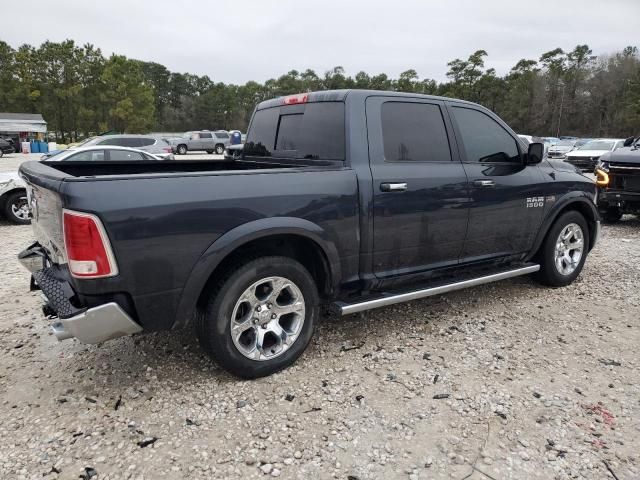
(535, 154)
(628, 142)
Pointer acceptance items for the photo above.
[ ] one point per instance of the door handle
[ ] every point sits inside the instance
(484, 183)
(393, 187)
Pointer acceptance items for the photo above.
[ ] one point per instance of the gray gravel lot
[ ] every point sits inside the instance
(503, 381)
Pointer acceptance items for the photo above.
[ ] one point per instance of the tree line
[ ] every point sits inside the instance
(80, 91)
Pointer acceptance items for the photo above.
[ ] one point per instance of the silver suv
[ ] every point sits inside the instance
(203, 140)
(153, 144)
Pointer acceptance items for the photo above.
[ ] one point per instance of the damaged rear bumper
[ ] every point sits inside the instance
(70, 319)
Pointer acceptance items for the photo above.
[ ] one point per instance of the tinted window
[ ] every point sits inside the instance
(312, 131)
(145, 142)
(205, 135)
(222, 135)
(414, 132)
(110, 141)
(483, 139)
(124, 155)
(87, 156)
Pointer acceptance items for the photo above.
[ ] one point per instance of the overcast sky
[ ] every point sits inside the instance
(241, 40)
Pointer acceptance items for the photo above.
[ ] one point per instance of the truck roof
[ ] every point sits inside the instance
(341, 95)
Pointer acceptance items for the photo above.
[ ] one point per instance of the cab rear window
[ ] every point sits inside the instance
(312, 131)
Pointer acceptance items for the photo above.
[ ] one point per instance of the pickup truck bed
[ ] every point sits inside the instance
(352, 199)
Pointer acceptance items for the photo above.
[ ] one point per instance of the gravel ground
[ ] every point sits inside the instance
(503, 381)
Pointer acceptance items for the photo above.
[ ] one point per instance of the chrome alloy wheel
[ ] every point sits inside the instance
(267, 318)
(569, 249)
(20, 209)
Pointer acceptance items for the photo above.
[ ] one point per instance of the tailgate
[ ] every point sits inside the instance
(44, 188)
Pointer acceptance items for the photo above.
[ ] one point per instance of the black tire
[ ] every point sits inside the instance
(213, 321)
(612, 215)
(15, 200)
(549, 274)
(181, 150)
(209, 152)
(1, 153)
(219, 149)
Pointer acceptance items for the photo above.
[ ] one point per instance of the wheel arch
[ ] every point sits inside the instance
(284, 236)
(3, 197)
(578, 201)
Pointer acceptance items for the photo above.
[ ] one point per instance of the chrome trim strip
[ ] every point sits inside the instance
(346, 308)
(96, 325)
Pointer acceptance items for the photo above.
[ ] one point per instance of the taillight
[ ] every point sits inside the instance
(88, 250)
(299, 98)
(167, 149)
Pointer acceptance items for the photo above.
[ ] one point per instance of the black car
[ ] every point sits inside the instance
(6, 147)
(350, 199)
(618, 179)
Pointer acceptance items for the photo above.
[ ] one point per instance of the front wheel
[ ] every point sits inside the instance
(219, 149)
(16, 208)
(260, 317)
(564, 251)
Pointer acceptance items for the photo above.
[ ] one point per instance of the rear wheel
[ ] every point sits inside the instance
(260, 317)
(16, 208)
(182, 149)
(564, 251)
(612, 215)
(219, 149)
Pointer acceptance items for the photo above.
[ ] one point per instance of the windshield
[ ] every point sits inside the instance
(597, 145)
(566, 143)
(83, 142)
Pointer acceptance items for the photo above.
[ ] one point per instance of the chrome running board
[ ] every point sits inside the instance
(387, 299)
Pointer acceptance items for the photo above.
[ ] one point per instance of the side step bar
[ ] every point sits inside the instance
(389, 299)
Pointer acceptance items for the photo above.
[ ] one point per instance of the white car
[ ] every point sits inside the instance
(560, 149)
(586, 156)
(102, 154)
(13, 198)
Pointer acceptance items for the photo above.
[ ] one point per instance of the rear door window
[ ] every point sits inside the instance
(310, 131)
(205, 135)
(125, 155)
(146, 141)
(86, 156)
(414, 132)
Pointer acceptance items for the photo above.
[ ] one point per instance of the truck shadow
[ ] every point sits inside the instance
(142, 363)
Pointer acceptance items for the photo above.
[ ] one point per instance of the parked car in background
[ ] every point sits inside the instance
(560, 149)
(582, 141)
(6, 148)
(201, 141)
(618, 178)
(13, 198)
(550, 141)
(99, 153)
(153, 144)
(352, 199)
(586, 156)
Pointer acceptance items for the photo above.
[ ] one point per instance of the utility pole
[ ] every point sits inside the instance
(560, 115)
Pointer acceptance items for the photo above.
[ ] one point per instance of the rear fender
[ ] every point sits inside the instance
(235, 238)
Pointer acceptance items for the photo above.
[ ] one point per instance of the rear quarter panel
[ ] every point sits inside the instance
(160, 226)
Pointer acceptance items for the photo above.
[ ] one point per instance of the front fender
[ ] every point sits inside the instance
(577, 199)
(235, 238)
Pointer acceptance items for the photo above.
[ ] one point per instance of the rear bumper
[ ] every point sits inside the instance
(69, 318)
(96, 325)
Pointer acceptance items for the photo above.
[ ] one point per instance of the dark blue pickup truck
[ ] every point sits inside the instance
(348, 199)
